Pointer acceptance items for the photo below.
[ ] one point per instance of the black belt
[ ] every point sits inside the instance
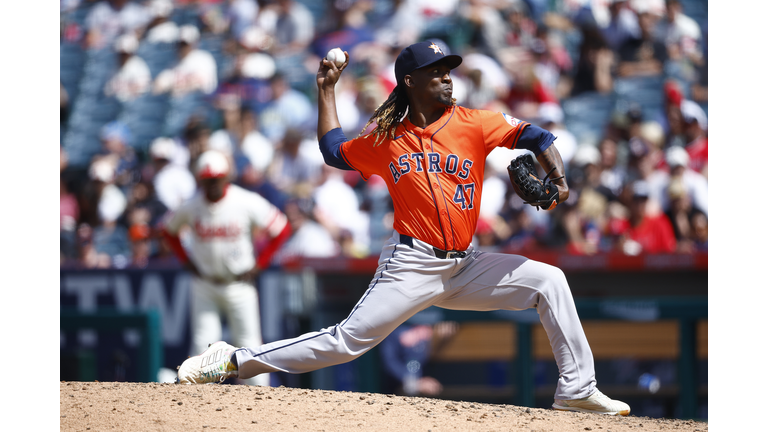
(439, 253)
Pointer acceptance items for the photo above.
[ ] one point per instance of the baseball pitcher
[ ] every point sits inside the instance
(431, 153)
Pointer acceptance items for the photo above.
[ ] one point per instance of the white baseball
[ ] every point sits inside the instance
(337, 56)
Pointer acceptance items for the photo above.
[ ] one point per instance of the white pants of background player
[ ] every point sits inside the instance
(409, 280)
(238, 302)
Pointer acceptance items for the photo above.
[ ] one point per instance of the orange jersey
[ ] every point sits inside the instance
(435, 175)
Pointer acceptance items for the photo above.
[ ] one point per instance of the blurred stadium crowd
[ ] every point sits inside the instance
(147, 85)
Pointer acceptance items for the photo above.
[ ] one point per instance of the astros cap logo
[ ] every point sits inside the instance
(419, 55)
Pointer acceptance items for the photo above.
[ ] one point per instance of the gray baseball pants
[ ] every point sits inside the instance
(410, 279)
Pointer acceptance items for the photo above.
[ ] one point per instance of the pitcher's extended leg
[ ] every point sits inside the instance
(499, 281)
(395, 294)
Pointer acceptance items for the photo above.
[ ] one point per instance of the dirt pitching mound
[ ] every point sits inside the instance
(103, 406)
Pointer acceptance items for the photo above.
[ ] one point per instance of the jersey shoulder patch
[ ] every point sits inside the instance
(511, 120)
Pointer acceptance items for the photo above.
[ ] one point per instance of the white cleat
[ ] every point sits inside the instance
(212, 366)
(597, 403)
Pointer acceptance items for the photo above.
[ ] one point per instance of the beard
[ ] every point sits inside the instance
(446, 99)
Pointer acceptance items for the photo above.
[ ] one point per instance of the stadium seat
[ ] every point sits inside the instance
(648, 92)
(158, 56)
(587, 115)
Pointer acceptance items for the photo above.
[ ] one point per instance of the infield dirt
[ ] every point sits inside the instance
(101, 406)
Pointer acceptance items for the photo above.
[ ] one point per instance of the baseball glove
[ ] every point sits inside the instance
(541, 193)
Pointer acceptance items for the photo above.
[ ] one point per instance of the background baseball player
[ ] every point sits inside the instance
(431, 153)
(223, 218)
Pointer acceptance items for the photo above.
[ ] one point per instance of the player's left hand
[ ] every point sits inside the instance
(537, 192)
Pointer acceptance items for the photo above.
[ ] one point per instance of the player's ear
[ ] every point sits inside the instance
(408, 80)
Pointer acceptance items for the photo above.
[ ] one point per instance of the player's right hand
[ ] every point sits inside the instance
(328, 74)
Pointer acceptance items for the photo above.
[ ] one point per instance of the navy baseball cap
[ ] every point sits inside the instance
(420, 55)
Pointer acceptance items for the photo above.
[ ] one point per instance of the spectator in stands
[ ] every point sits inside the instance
(370, 93)
(133, 77)
(140, 237)
(582, 233)
(346, 104)
(625, 124)
(406, 352)
(212, 17)
(291, 25)
(241, 15)
(161, 29)
(551, 61)
(117, 151)
(399, 26)
(110, 18)
(583, 221)
(480, 92)
(254, 145)
(487, 25)
(288, 109)
(612, 174)
(700, 225)
(144, 198)
(584, 170)
(227, 139)
(241, 140)
(623, 24)
(694, 184)
(520, 29)
(88, 256)
(527, 92)
(308, 239)
(672, 119)
(109, 237)
(643, 232)
(643, 55)
(700, 84)
(173, 183)
(337, 208)
(681, 34)
(652, 133)
(100, 199)
(292, 171)
(525, 234)
(195, 138)
(69, 214)
(248, 83)
(679, 214)
(695, 132)
(642, 166)
(196, 70)
(255, 180)
(347, 27)
(594, 70)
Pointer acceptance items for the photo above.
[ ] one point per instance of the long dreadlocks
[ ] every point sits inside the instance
(389, 114)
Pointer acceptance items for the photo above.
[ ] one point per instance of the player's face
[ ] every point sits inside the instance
(433, 83)
(213, 188)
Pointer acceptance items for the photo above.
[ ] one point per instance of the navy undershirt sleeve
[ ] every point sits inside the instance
(535, 139)
(330, 147)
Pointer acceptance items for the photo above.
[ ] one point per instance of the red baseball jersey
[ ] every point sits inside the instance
(435, 175)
